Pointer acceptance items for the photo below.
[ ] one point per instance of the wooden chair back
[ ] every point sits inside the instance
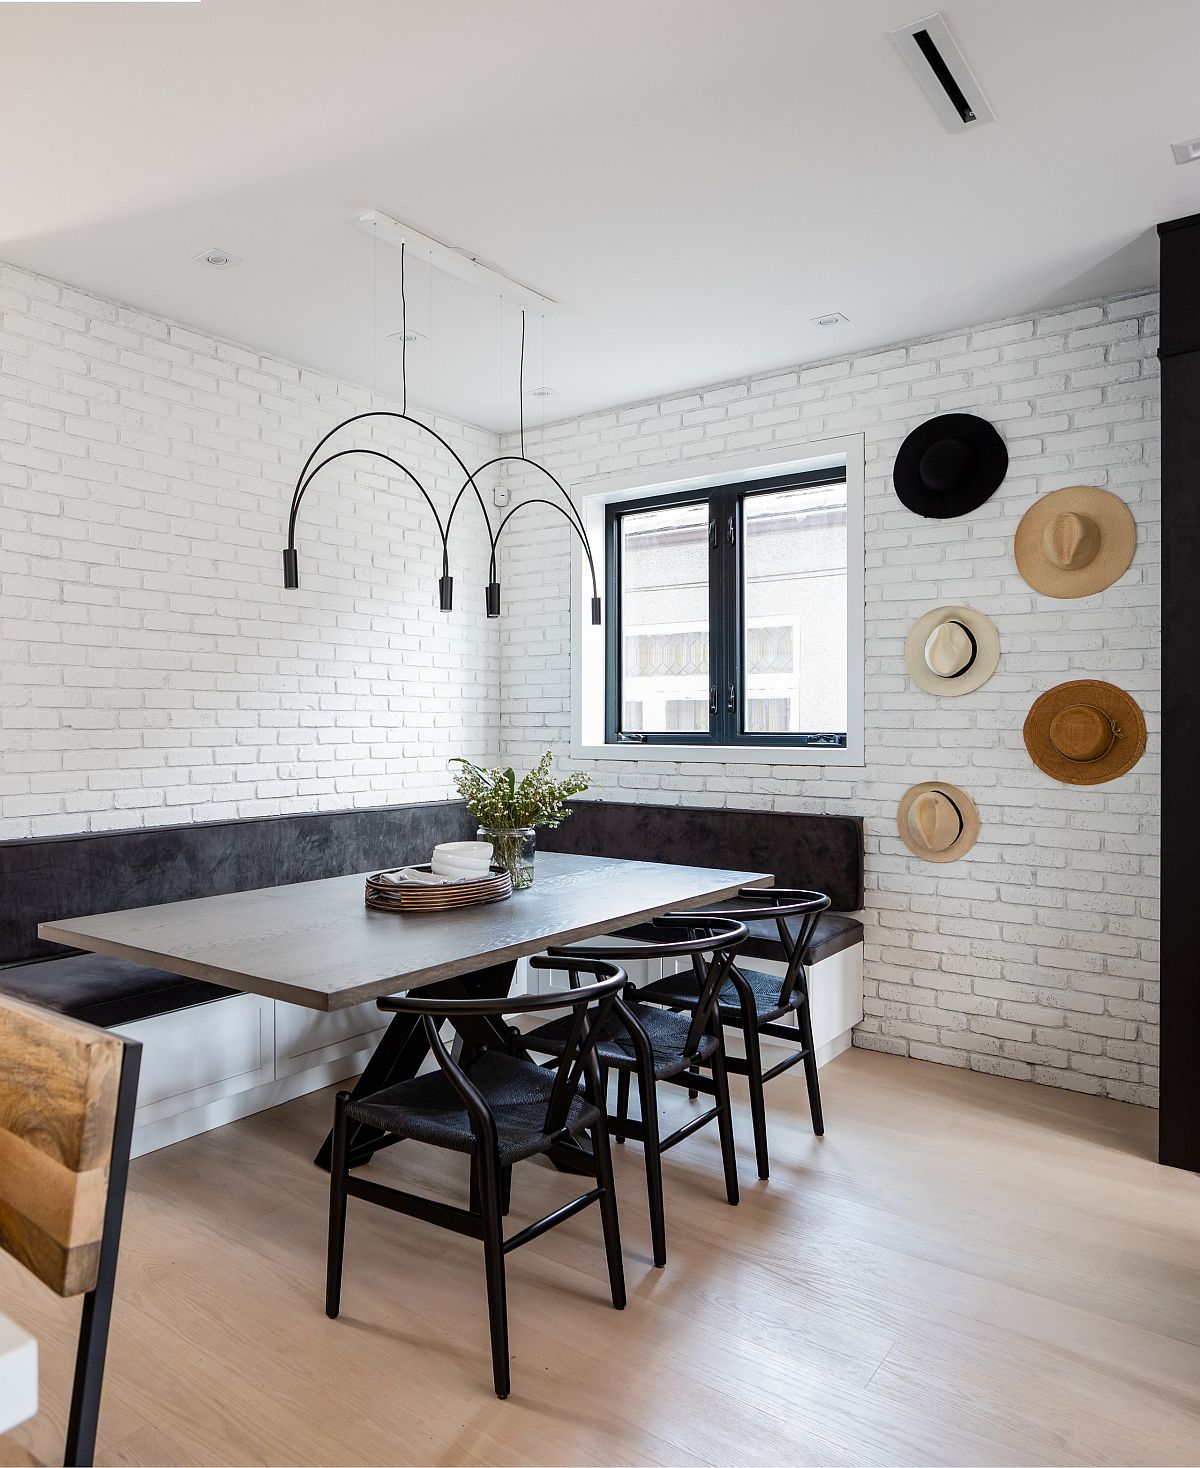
(59, 1081)
(67, 1097)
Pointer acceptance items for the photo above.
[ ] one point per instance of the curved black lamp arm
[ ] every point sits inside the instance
(493, 598)
(290, 568)
(571, 514)
(516, 459)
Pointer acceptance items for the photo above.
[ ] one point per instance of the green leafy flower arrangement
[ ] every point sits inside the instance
(499, 801)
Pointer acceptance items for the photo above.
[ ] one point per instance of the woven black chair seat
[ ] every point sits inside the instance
(666, 1032)
(682, 989)
(429, 1109)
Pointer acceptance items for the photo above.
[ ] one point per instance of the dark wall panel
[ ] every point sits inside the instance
(1179, 1116)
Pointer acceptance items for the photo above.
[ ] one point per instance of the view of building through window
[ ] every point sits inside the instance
(792, 637)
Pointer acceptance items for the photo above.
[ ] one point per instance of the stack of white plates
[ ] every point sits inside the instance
(462, 859)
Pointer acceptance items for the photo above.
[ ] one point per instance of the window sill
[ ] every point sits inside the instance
(725, 754)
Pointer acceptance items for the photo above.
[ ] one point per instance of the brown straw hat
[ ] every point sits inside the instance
(951, 651)
(937, 821)
(1085, 733)
(1075, 541)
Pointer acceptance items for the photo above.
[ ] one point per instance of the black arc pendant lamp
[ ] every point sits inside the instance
(492, 596)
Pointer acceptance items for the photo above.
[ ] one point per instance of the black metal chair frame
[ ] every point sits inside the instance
(591, 1008)
(720, 939)
(94, 1322)
(786, 902)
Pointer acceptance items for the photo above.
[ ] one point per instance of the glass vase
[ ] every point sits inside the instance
(513, 850)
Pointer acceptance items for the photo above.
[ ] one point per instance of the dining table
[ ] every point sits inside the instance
(318, 945)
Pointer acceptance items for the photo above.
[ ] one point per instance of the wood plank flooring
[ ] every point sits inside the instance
(963, 1270)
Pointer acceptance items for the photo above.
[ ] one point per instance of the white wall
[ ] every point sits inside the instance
(152, 668)
(1036, 956)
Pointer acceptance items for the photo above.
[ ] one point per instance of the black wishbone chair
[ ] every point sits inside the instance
(660, 1046)
(500, 1108)
(754, 1002)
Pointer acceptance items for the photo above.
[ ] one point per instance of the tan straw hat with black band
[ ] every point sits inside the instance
(1075, 541)
(1085, 733)
(937, 821)
(952, 650)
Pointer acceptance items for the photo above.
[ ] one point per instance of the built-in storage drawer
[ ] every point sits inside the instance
(308, 1037)
(198, 1055)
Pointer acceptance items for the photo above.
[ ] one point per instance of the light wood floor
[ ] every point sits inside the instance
(964, 1270)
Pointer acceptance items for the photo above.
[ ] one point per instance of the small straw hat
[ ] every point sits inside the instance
(1075, 541)
(1085, 732)
(952, 651)
(937, 821)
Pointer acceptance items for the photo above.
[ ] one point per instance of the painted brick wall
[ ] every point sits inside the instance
(1036, 956)
(152, 668)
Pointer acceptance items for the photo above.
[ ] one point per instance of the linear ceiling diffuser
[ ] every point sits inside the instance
(935, 60)
(468, 268)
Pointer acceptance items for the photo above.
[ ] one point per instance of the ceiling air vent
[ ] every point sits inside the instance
(942, 70)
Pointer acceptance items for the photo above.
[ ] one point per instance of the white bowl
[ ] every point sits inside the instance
(472, 850)
(445, 867)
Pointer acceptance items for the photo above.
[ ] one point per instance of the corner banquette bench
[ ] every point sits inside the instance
(211, 1055)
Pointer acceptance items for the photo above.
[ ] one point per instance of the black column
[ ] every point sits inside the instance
(1179, 1117)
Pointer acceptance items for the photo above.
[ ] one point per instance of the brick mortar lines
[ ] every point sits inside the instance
(1036, 956)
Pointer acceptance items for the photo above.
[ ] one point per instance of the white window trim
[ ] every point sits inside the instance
(588, 642)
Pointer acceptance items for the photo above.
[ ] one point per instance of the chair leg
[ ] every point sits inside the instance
(804, 1025)
(725, 1126)
(505, 1190)
(695, 1071)
(622, 1105)
(337, 1209)
(602, 1154)
(758, 1103)
(493, 1263)
(654, 1183)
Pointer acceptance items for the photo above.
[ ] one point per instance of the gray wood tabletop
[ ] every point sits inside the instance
(316, 943)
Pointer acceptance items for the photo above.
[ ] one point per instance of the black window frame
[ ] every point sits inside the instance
(726, 633)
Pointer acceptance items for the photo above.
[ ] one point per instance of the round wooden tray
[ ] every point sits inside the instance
(412, 897)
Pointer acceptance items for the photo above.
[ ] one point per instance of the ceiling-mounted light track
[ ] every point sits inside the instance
(456, 262)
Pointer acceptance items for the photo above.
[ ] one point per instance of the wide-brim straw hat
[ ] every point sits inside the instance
(949, 465)
(952, 650)
(1075, 541)
(1085, 732)
(937, 821)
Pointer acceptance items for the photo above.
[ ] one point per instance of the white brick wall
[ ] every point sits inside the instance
(152, 668)
(1036, 956)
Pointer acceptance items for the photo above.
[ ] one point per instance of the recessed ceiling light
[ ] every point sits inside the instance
(218, 259)
(1186, 152)
(831, 318)
(408, 336)
(540, 392)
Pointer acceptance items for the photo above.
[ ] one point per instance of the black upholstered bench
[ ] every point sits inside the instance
(824, 853)
(69, 876)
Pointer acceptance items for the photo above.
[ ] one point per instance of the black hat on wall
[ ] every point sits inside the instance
(949, 466)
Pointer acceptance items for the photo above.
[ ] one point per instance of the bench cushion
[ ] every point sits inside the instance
(105, 991)
(799, 850)
(834, 933)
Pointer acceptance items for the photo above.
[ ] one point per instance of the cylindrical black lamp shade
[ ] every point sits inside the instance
(291, 569)
(595, 611)
(493, 598)
(446, 593)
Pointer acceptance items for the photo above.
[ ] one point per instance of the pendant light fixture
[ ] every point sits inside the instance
(314, 464)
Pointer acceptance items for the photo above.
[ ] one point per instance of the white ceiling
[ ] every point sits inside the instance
(692, 179)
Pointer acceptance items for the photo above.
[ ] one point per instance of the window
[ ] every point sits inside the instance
(727, 620)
